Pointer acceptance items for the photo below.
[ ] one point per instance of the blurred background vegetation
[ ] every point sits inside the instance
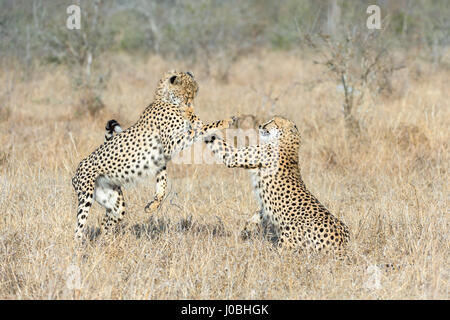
(206, 30)
(214, 34)
(313, 61)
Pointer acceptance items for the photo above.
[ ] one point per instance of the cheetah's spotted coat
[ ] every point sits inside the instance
(300, 220)
(166, 127)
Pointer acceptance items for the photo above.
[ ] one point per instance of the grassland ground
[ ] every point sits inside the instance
(390, 186)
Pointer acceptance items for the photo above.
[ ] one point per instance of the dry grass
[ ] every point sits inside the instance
(391, 188)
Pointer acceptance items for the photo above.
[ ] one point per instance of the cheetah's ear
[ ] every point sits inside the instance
(172, 79)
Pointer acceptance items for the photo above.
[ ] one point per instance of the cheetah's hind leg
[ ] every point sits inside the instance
(85, 193)
(254, 226)
(111, 198)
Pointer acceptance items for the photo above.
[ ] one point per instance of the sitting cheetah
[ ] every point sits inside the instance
(167, 126)
(298, 218)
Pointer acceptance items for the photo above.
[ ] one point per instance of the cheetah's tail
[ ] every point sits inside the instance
(111, 127)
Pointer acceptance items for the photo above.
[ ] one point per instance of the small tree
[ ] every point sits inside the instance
(212, 33)
(360, 62)
(78, 49)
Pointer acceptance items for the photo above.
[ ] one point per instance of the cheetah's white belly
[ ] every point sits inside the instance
(104, 193)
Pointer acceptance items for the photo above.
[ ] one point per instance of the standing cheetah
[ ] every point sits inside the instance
(167, 126)
(299, 219)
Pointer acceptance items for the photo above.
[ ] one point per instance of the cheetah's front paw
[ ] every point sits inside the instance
(233, 120)
(252, 229)
(245, 234)
(251, 232)
(227, 123)
(152, 206)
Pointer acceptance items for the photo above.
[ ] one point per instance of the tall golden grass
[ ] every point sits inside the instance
(390, 187)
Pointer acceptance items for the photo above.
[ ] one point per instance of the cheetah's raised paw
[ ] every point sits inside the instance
(152, 206)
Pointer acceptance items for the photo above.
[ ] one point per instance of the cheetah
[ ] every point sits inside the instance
(300, 221)
(167, 126)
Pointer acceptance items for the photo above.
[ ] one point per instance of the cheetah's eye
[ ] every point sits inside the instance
(172, 79)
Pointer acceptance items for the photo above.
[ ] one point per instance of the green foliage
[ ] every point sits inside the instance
(198, 30)
(128, 32)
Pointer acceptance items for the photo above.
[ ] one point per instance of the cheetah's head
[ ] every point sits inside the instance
(177, 87)
(279, 129)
